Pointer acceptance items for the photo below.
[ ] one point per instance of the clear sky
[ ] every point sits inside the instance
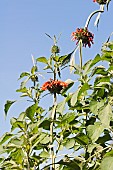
(23, 24)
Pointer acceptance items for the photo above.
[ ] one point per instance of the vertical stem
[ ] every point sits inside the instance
(80, 53)
(28, 165)
(53, 116)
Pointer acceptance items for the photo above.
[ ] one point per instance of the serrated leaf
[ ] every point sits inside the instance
(8, 105)
(42, 60)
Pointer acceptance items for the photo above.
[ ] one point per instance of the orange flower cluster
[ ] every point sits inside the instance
(54, 86)
(84, 35)
(100, 1)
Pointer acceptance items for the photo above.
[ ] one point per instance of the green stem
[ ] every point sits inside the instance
(53, 117)
(80, 53)
(108, 147)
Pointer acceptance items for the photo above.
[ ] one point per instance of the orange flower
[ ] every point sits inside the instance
(100, 1)
(84, 35)
(54, 86)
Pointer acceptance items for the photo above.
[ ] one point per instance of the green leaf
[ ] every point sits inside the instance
(23, 90)
(86, 67)
(66, 58)
(2, 150)
(16, 141)
(45, 140)
(99, 70)
(109, 154)
(107, 163)
(5, 137)
(45, 124)
(44, 154)
(95, 60)
(95, 106)
(30, 111)
(34, 69)
(94, 131)
(105, 114)
(17, 124)
(74, 97)
(18, 155)
(61, 106)
(82, 139)
(106, 137)
(42, 60)
(70, 143)
(68, 117)
(24, 74)
(8, 105)
(83, 89)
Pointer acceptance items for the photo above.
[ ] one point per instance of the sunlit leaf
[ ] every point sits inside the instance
(30, 111)
(107, 163)
(105, 114)
(44, 154)
(24, 74)
(95, 106)
(95, 60)
(42, 60)
(94, 131)
(61, 106)
(74, 97)
(82, 139)
(34, 69)
(86, 67)
(5, 137)
(70, 143)
(8, 105)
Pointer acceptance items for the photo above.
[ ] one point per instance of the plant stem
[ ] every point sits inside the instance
(80, 53)
(90, 16)
(53, 117)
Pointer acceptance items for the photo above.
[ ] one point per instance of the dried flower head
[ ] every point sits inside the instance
(84, 35)
(100, 1)
(54, 86)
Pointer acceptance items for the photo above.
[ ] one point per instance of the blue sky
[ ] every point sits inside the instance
(23, 24)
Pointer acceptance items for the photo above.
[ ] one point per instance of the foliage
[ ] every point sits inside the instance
(75, 133)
